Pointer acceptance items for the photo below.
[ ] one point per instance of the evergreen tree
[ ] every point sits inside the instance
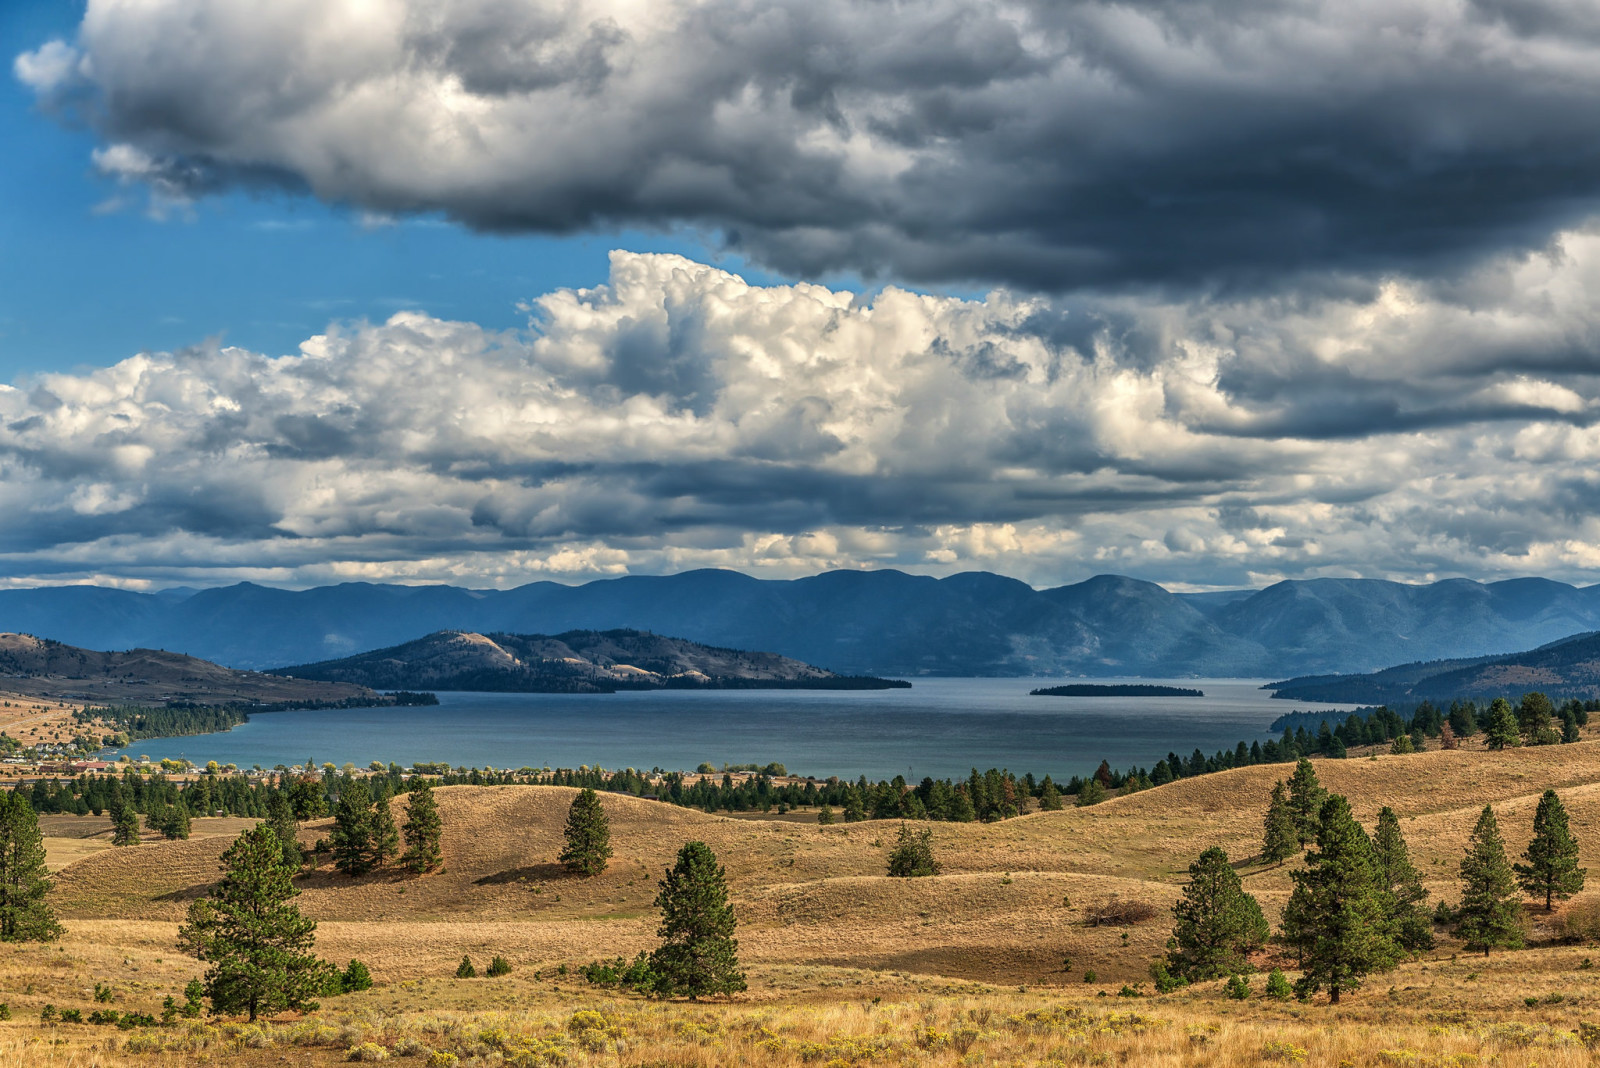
(254, 938)
(385, 839)
(1090, 793)
(698, 954)
(1463, 719)
(1502, 732)
(1413, 927)
(423, 829)
(1552, 870)
(1216, 924)
(1280, 838)
(24, 881)
(1533, 719)
(1339, 916)
(1050, 797)
(173, 822)
(1402, 745)
(912, 855)
(588, 836)
(352, 829)
(1305, 800)
(280, 817)
(125, 826)
(961, 810)
(1488, 915)
(825, 815)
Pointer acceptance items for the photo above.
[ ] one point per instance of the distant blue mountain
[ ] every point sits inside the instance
(857, 622)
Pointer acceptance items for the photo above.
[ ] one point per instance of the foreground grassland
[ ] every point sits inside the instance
(846, 965)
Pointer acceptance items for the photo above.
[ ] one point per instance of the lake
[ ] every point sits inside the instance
(939, 727)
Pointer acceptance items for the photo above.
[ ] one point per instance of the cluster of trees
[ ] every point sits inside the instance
(364, 835)
(1358, 905)
(209, 792)
(1533, 720)
(182, 718)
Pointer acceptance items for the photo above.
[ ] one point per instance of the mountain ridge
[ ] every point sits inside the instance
(883, 622)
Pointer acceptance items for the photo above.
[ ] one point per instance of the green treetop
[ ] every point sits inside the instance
(385, 839)
(352, 829)
(698, 954)
(588, 836)
(1280, 835)
(1412, 924)
(1489, 915)
(255, 940)
(24, 881)
(1339, 917)
(1305, 800)
(1216, 924)
(280, 817)
(1502, 731)
(1551, 871)
(912, 855)
(124, 826)
(1533, 720)
(423, 829)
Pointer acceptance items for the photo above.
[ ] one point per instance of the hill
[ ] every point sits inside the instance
(38, 667)
(1562, 669)
(579, 661)
(883, 623)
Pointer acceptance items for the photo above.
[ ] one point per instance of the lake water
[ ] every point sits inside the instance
(939, 727)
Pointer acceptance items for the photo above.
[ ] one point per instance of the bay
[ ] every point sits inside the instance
(940, 727)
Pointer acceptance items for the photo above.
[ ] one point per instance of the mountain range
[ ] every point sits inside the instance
(885, 623)
(580, 661)
(1562, 669)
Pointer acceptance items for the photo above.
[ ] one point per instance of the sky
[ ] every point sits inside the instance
(1213, 293)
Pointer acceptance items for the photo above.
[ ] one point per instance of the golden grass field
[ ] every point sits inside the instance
(846, 966)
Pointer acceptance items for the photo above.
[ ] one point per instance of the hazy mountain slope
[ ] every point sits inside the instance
(859, 622)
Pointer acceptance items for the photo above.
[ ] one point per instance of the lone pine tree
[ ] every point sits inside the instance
(124, 826)
(352, 829)
(1216, 924)
(1502, 731)
(698, 954)
(1413, 926)
(912, 855)
(1551, 871)
(588, 836)
(1305, 800)
(1280, 834)
(423, 829)
(24, 881)
(1489, 915)
(1340, 916)
(257, 942)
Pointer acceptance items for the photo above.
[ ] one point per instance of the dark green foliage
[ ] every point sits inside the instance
(1305, 800)
(698, 954)
(1278, 988)
(465, 970)
(631, 975)
(1238, 987)
(24, 882)
(825, 816)
(912, 855)
(1551, 871)
(1403, 745)
(1166, 982)
(1502, 731)
(193, 993)
(1488, 916)
(171, 821)
(1463, 719)
(1216, 924)
(385, 839)
(1092, 792)
(254, 938)
(356, 977)
(352, 829)
(125, 827)
(499, 966)
(1280, 833)
(588, 836)
(307, 797)
(1533, 719)
(1412, 926)
(1339, 917)
(423, 829)
(280, 817)
(1050, 797)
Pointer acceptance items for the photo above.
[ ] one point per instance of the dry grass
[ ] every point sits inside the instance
(1031, 903)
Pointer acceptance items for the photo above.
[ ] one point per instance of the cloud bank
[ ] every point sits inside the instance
(1038, 144)
(680, 417)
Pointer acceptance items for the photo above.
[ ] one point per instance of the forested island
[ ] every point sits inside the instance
(1135, 689)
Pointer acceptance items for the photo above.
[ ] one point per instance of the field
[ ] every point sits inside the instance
(985, 963)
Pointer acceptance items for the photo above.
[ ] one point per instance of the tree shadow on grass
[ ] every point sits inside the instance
(528, 873)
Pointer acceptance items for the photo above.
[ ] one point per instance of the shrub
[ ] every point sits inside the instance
(499, 966)
(356, 977)
(1089, 977)
(1278, 987)
(1238, 987)
(5, 1011)
(465, 970)
(72, 1016)
(1115, 912)
(367, 1051)
(1165, 981)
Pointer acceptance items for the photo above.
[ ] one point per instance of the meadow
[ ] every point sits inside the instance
(987, 963)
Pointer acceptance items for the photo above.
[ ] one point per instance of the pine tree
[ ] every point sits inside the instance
(825, 815)
(1552, 870)
(24, 880)
(385, 839)
(1533, 719)
(1339, 916)
(280, 817)
(1092, 792)
(1502, 732)
(698, 954)
(1305, 800)
(1216, 924)
(1280, 837)
(1413, 925)
(352, 829)
(256, 941)
(423, 829)
(912, 855)
(1489, 915)
(1050, 797)
(1463, 720)
(125, 826)
(588, 836)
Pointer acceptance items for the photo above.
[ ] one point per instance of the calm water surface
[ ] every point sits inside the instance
(939, 727)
